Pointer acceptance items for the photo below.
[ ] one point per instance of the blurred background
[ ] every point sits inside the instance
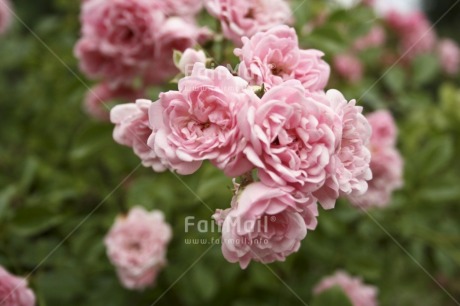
(63, 180)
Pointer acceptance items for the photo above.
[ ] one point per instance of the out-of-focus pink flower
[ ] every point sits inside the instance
(414, 31)
(274, 56)
(132, 129)
(185, 8)
(375, 38)
(137, 245)
(176, 34)
(14, 290)
(119, 38)
(386, 163)
(199, 122)
(265, 225)
(449, 55)
(384, 130)
(359, 293)
(292, 137)
(245, 18)
(95, 103)
(5, 15)
(348, 67)
(188, 60)
(348, 172)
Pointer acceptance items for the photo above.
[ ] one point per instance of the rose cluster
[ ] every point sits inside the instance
(292, 143)
(127, 41)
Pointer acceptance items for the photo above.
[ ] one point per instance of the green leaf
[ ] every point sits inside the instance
(332, 297)
(33, 220)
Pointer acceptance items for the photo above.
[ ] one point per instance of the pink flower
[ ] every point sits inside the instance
(414, 31)
(118, 38)
(185, 8)
(384, 130)
(265, 225)
(348, 67)
(358, 293)
(136, 245)
(199, 122)
(132, 129)
(274, 56)
(292, 137)
(14, 290)
(5, 15)
(95, 104)
(386, 163)
(188, 60)
(245, 18)
(375, 38)
(348, 172)
(449, 55)
(176, 34)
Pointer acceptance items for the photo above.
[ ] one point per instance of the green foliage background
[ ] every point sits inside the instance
(63, 180)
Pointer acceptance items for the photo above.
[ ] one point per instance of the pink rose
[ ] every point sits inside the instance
(386, 163)
(292, 137)
(274, 56)
(185, 8)
(387, 170)
(449, 55)
(414, 31)
(348, 67)
(14, 290)
(349, 171)
(5, 15)
(384, 130)
(375, 38)
(188, 60)
(265, 225)
(199, 122)
(132, 129)
(245, 18)
(95, 104)
(358, 293)
(175, 34)
(136, 246)
(119, 38)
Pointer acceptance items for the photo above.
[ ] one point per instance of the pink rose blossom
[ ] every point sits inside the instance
(188, 60)
(274, 56)
(384, 130)
(118, 38)
(449, 55)
(375, 38)
(185, 8)
(14, 290)
(5, 15)
(265, 224)
(292, 137)
(175, 34)
(132, 129)
(245, 18)
(386, 163)
(414, 31)
(136, 245)
(348, 172)
(199, 122)
(96, 99)
(358, 293)
(348, 67)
